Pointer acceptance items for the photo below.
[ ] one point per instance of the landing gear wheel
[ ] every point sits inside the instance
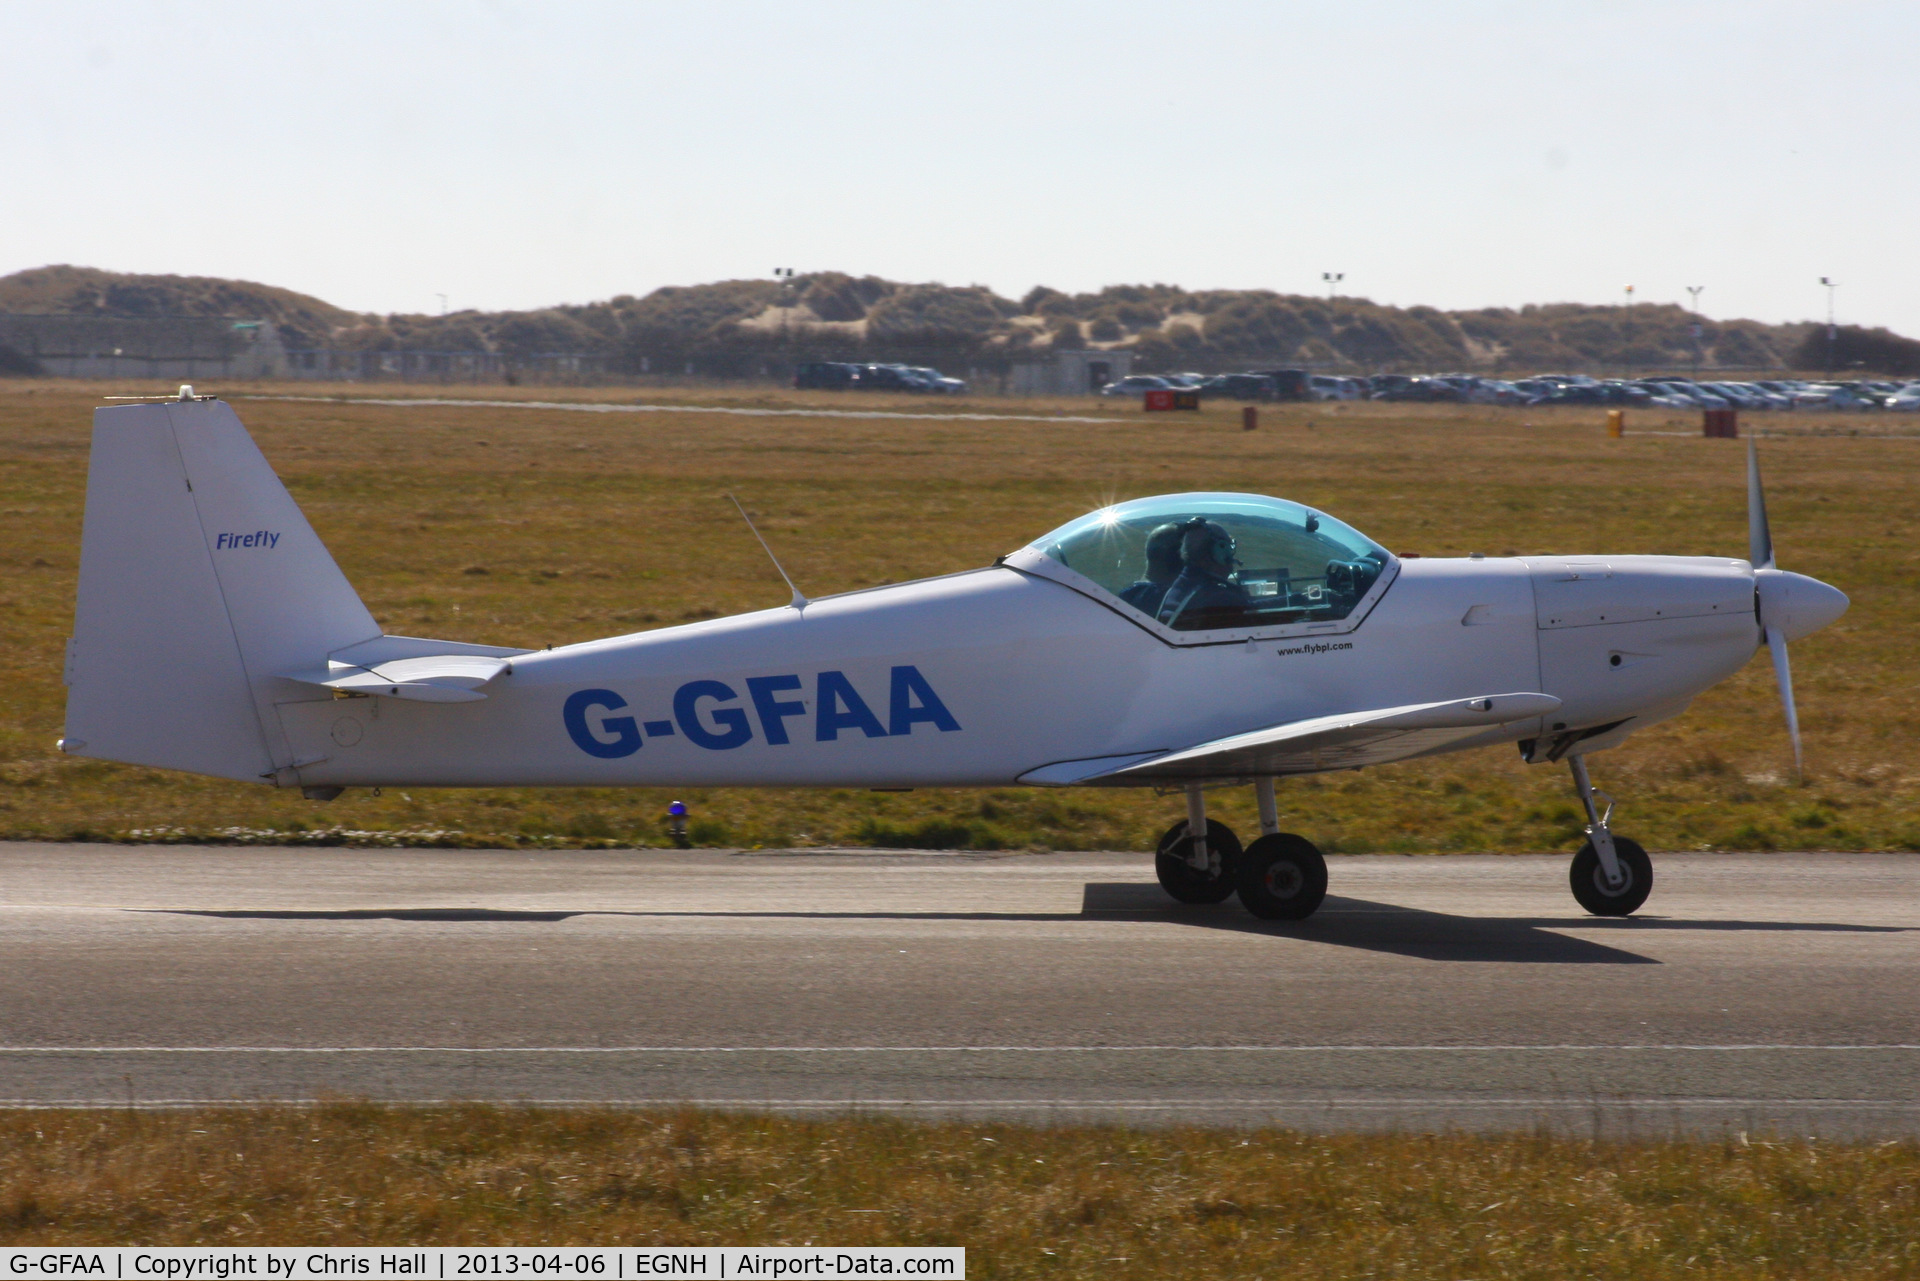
(1589, 879)
(1185, 881)
(1282, 878)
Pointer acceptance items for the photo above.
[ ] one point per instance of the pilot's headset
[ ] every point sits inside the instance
(1207, 545)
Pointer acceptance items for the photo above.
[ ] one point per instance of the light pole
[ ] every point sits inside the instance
(1333, 279)
(1694, 292)
(1833, 332)
(788, 301)
(443, 303)
(1626, 339)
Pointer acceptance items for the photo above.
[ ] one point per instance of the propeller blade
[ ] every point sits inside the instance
(1783, 674)
(1759, 536)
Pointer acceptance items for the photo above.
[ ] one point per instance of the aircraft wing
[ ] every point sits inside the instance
(1325, 742)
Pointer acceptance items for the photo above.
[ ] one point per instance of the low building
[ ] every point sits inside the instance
(182, 348)
(1069, 373)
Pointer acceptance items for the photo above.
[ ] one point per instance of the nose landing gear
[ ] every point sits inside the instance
(1611, 875)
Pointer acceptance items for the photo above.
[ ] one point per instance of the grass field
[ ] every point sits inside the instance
(1026, 1202)
(530, 526)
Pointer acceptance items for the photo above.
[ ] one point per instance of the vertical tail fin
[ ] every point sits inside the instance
(200, 583)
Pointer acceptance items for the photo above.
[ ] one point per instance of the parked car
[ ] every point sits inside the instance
(826, 375)
(1696, 394)
(1736, 395)
(1327, 387)
(1424, 390)
(1136, 385)
(936, 382)
(1607, 393)
(1907, 400)
(1658, 397)
(1496, 391)
(1768, 398)
(1289, 384)
(1240, 387)
(889, 378)
(1830, 396)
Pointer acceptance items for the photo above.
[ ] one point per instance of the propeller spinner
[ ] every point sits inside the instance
(1789, 605)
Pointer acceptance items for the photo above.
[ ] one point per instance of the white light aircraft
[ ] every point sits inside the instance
(1181, 642)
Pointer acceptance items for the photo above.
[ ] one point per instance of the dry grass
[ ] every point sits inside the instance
(526, 526)
(1025, 1202)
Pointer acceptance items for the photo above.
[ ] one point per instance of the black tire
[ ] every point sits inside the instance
(1589, 882)
(1282, 878)
(1185, 881)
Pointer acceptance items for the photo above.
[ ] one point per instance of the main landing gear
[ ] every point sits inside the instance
(1611, 875)
(1280, 877)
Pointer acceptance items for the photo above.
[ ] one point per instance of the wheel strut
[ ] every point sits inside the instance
(1269, 810)
(1597, 830)
(1198, 854)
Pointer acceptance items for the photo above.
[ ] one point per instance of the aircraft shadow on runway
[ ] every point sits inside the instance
(1432, 936)
(1341, 922)
(460, 914)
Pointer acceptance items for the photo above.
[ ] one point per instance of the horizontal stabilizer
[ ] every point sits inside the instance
(1345, 741)
(432, 678)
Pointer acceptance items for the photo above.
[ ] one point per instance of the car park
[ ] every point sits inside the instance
(1658, 391)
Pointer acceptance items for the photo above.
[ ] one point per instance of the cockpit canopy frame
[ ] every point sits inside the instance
(1296, 571)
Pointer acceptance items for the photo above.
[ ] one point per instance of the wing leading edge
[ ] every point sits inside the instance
(1345, 741)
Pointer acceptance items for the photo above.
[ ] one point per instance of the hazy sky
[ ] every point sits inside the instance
(517, 154)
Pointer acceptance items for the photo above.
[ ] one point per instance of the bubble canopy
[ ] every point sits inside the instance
(1212, 562)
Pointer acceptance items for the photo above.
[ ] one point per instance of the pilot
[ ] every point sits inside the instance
(1163, 566)
(1204, 595)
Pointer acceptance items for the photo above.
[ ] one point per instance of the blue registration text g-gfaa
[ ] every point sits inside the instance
(710, 713)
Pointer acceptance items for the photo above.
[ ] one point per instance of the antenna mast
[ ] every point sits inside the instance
(798, 601)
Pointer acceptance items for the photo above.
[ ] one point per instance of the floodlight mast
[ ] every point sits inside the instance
(1626, 337)
(788, 301)
(1333, 279)
(1694, 292)
(1833, 332)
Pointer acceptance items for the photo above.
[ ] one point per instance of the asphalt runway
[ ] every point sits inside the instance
(1772, 993)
